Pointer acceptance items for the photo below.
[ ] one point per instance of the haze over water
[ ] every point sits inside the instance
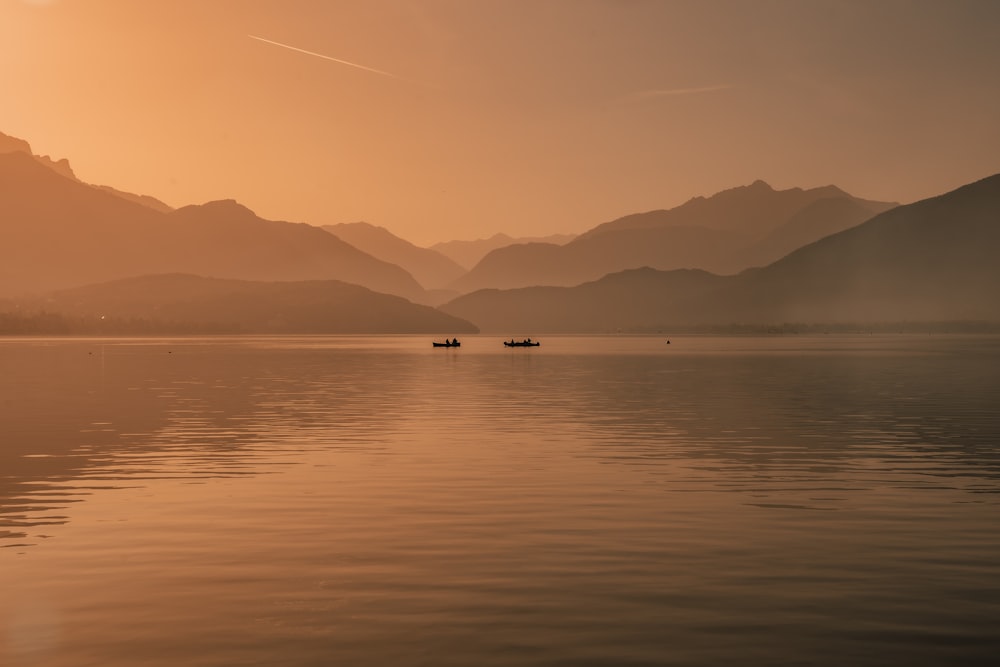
(597, 500)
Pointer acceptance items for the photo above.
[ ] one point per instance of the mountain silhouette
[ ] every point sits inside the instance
(933, 260)
(9, 144)
(57, 232)
(144, 200)
(468, 253)
(718, 234)
(626, 301)
(754, 210)
(432, 269)
(188, 303)
(819, 219)
(587, 259)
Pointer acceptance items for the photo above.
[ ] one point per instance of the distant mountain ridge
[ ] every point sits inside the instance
(9, 144)
(817, 220)
(750, 256)
(182, 303)
(717, 234)
(56, 232)
(931, 260)
(632, 300)
(934, 260)
(468, 253)
(432, 269)
(755, 210)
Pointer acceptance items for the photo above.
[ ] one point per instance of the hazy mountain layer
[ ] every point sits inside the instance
(468, 253)
(432, 269)
(145, 200)
(180, 302)
(754, 210)
(626, 301)
(56, 232)
(725, 234)
(821, 218)
(587, 259)
(929, 261)
(9, 144)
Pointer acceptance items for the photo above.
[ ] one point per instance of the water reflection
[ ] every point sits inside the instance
(599, 501)
(121, 412)
(714, 415)
(791, 422)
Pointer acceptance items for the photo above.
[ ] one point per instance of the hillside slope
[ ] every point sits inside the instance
(188, 303)
(934, 260)
(726, 233)
(431, 269)
(57, 232)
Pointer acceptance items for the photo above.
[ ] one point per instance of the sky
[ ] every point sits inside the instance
(457, 119)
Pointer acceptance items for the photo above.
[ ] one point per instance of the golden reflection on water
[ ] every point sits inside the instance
(594, 501)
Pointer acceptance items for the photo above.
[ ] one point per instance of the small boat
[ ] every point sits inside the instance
(448, 343)
(521, 343)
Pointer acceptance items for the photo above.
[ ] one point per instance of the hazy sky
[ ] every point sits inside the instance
(443, 119)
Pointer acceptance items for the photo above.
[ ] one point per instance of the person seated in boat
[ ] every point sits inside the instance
(454, 341)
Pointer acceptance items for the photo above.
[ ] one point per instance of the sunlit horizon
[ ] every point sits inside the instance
(502, 116)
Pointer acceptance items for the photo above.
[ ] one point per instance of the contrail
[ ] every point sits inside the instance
(320, 55)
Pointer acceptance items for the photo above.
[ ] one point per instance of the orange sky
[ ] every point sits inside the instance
(523, 116)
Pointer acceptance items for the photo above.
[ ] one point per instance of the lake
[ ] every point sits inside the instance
(774, 500)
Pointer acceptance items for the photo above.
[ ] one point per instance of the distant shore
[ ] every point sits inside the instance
(55, 324)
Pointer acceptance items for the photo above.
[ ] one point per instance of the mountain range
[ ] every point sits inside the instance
(9, 144)
(726, 233)
(181, 303)
(934, 260)
(751, 255)
(432, 269)
(469, 253)
(56, 232)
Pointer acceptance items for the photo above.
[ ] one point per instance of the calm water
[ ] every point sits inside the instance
(827, 500)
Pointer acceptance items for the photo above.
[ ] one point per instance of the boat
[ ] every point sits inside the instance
(521, 343)
(448, 343)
